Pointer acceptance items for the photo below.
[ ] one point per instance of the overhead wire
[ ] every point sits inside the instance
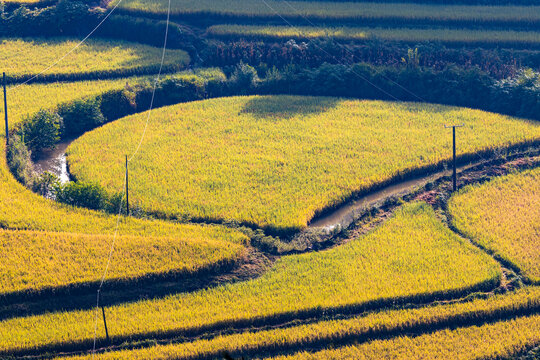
(351, 53)
(71, 50)
(111, 250)
(336, 59)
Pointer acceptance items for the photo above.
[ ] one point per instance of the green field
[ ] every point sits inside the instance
(338, 10)
(411, 256)
(26, 57)
(503, 216)
(278, 161)
(447, 36)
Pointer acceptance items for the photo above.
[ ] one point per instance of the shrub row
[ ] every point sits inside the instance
(499, 63)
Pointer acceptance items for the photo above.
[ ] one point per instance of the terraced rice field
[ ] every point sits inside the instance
(330, 10)
(503, 216)
(62, 227)
(412, 256)
(278, 161)
(409, 35)
(34, 261)
(358, 327)
(23, 58)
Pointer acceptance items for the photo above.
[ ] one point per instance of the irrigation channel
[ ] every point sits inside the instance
(55, 162)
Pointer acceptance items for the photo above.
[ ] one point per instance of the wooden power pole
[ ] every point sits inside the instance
(5, 108)
(454, 170)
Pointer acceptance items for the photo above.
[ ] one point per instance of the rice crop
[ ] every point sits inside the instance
(277, 161)
(25, 57)
(331, 331)
(498, 340)
(447, 36)
(503, 215)
(412, 257)
(31, 260)
(330, 10)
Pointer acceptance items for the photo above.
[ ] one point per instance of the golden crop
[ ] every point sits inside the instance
(499, 340)
(503, 216)
(303, 335)
(22, 57)
(337, 10)
(411, 256)
(31, 260)
(276, 161)
(20, 209)
(394, 34)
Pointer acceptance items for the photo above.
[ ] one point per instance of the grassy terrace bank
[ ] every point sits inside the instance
(277, 161)
(523, 16)
(446, 36)
(503, 216)
(23, 58)
(411, 258)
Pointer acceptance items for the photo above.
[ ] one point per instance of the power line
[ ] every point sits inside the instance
(337, 60)
(111, 250)
(70, 51)
(351, 53)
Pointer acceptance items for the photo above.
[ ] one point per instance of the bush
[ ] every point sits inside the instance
(115, 104)
(82, 194)
(244, 79)
(41, 131)
(18, 159)
(81, 115)
(46, 185)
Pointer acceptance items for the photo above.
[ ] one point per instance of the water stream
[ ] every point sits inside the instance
(345, 214)
(54, 161)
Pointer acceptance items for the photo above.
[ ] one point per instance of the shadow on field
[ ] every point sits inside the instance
(287, 107)
(156, 286)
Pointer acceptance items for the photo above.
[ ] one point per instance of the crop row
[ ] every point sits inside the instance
(411, 258)
(503, 216)
(35, 261)
(24, 58)
(447, 36)
(359, 328)
(342, 12)
(277, 161)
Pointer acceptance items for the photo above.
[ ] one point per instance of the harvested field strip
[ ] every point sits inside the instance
(101, 58)
(341, 10)
(35, 261)
(411, 258)
(277, 161)
(447, 36)
(498, 340)
(503, 216)
(359, 328)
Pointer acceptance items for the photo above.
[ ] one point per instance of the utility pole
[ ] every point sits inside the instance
(103, 313)
(5, 109)
(105, 323)
(454, 171)
(127, 187)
